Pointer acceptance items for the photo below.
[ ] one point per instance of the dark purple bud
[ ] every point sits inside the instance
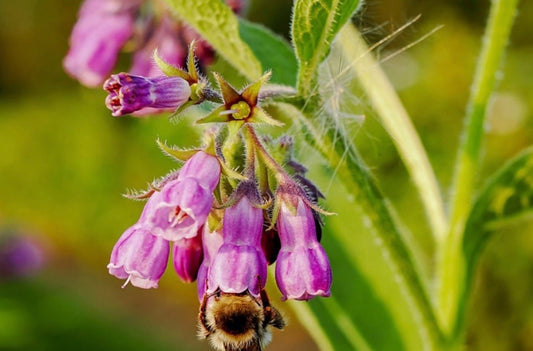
(270, 244)
(188, 255)
(139, 257)
(129, 93)
(239, 265)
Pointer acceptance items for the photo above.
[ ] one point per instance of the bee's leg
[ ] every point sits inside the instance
(272, 315)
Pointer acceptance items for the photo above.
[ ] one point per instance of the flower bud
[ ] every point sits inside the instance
(129, 93)
(188, 255)
(139, 257)
(302, 268)
(181, 207)
(239, 264)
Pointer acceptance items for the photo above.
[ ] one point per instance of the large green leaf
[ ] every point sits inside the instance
(220, 27)
(273, 51)
(315, 24)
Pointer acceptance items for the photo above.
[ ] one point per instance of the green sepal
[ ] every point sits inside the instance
(251, 92)
(229, 94)
(181, 155)
(169, 69)
(214, 221)
(191, 62)
(215, 116)
(260, 116)
(230, 173)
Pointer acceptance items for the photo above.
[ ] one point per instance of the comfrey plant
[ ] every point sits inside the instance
(241, 201)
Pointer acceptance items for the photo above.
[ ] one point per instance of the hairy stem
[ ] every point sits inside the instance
(451, 269)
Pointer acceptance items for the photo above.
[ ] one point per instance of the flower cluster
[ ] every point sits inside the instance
(105, 27)
(230, 255)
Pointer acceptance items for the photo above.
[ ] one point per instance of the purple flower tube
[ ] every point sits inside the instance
(129, 93)
(139, 257)
(239, 264)
(302, 268)
(188, 255)
(103, 27)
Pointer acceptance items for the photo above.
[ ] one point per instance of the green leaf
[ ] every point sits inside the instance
(507, 197)
(274, 52)
(315, 24)
(220, 27)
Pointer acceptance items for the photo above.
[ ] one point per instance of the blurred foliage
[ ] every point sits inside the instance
(64, 163)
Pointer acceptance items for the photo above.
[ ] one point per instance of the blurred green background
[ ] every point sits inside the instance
(64, 161)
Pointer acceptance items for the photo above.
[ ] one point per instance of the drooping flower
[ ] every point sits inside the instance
(103, 27)
(187, 257)
(139, 257)
(211, 242)
(302, 268)
(239, 265)
(129, 93)
(183, 204)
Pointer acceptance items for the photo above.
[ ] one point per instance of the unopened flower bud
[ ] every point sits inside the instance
(188, 254)
(129, 93)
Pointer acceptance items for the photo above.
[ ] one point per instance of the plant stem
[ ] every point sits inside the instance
(451, 265)
(396, 121)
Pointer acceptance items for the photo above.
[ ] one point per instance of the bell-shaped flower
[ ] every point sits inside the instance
(129, 93)
(103, 27)
(139, 257)
(239, 264)
(211, 242)
(187, 256)
(181, 207)
(302, 268)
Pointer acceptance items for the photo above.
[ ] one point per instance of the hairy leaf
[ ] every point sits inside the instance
(315, 24)
(220, 27)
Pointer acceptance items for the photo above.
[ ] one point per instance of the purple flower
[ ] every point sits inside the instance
(166, 39)
(102, 29)
(211, 242)
(188, 254)
(181, 207)
(20, 256)
(239, 264)
(302, 268)
(139, 257)
(129, 93)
